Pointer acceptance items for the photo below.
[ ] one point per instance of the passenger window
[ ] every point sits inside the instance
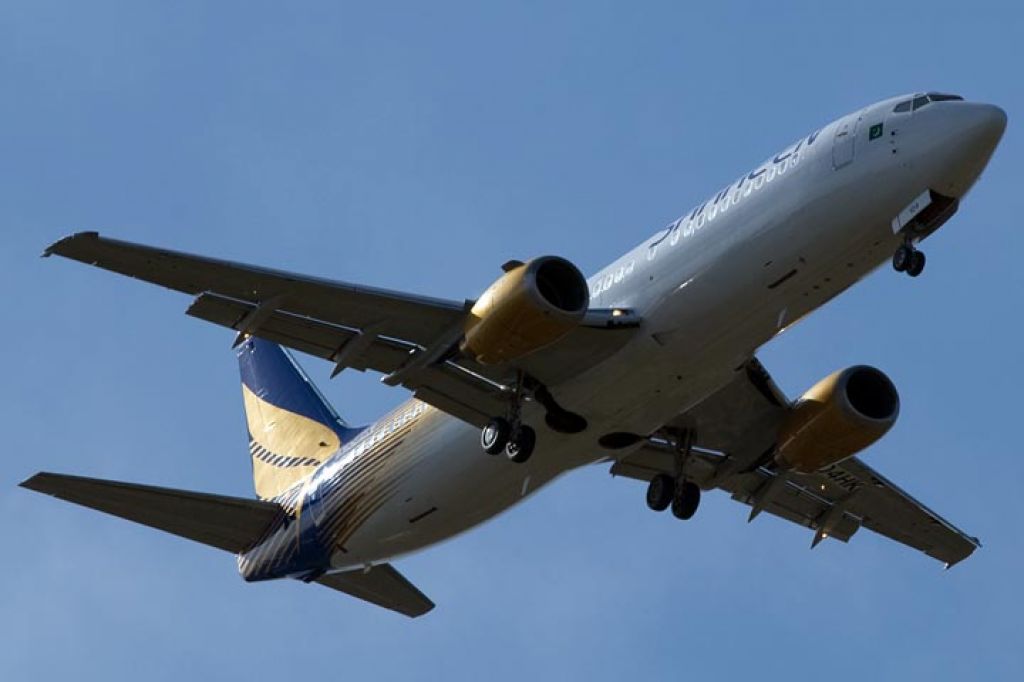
(903, 107)
(920, 102)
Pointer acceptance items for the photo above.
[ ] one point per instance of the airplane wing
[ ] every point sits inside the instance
(404, 336)
(739, 424)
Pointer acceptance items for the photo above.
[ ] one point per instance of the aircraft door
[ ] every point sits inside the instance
(843, 141)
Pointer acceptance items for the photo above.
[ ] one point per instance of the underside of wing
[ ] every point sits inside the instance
(736, 432)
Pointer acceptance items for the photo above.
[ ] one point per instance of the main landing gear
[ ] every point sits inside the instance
(516, 441)
(675, 491)
(510, 435)
(908, 259)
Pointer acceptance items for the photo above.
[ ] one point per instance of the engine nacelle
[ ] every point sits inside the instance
(530, 306)
(838, 417)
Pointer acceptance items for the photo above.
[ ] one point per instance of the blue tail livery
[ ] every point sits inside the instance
(292, 427)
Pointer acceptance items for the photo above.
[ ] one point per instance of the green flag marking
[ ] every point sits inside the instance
(875, 132)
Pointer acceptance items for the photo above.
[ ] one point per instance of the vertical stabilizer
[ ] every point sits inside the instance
(292, 428)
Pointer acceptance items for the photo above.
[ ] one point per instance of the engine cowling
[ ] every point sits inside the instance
(531, 306)
(838, 417)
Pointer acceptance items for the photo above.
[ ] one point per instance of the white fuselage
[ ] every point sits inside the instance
(710, 288)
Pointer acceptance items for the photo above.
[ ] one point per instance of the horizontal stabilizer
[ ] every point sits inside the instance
(230, 523)
(381, 585)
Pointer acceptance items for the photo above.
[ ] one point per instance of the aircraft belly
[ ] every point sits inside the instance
(456, 487)
(698, 334)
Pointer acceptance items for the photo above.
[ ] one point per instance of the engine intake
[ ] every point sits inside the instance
(838, 417)
(531, 306)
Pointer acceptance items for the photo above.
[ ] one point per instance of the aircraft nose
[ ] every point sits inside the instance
(972, 131)
(982, 125)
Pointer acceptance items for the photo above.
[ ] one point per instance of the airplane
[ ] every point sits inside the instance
(648, 366)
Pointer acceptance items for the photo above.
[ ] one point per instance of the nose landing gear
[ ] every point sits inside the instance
(908, 259)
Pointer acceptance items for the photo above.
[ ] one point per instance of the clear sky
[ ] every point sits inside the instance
(418, 146)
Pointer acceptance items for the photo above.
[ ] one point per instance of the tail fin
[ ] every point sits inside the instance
(292, 428)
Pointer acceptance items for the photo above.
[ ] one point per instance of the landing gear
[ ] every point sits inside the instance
(683, 495)
(510, 435)
(494, 436)
(685, 500)
(908, 259)
(520, 444)
(916, 266)
(660, 492)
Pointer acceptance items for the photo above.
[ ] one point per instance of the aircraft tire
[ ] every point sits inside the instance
(520, 444)
(659, 492)
(686, 500)
(494, 436)
(916, 265)
(901, 258)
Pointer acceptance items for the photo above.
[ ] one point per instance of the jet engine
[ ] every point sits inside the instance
(532, 305)
(838, 417)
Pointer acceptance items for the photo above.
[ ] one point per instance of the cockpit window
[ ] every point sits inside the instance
(924, 100)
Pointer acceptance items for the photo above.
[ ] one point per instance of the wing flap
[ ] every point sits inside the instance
(229, 523)
(446, 386)
(309, 335)
(381, 585)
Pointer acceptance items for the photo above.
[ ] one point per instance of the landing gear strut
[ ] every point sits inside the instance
(908, 259)
(683, 495)
(511, 434)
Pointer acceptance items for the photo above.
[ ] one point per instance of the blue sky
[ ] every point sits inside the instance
(418, 146)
